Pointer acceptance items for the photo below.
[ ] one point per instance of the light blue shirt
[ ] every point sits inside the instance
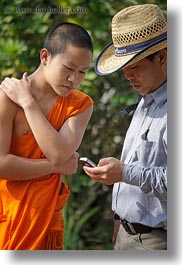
(142, 196)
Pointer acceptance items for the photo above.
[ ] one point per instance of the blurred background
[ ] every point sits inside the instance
(23, 27)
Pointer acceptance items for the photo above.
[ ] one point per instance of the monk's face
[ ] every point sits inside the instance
(64, 72)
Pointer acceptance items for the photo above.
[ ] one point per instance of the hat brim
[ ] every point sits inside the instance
(107, 62)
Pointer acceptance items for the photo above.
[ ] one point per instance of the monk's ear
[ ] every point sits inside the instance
(44, 56)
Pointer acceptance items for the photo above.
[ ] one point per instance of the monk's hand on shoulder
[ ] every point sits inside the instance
(108, 171)
(17, 90)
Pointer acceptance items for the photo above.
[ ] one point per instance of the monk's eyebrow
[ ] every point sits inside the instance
(72, 64)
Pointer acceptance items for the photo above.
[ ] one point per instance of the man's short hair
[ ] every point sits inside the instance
(67, 33)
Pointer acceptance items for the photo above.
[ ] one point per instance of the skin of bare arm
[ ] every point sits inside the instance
(51, 142)
(57, 146)
(18, 168)
(56, 76)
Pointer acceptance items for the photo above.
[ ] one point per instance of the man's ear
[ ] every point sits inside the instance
(44, 54)
(163, 56)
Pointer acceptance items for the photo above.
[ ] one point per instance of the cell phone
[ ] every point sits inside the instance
(85, 161)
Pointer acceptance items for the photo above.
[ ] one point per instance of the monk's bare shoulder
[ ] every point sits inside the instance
(7, 106)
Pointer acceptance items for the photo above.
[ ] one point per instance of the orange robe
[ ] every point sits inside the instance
(31, 215)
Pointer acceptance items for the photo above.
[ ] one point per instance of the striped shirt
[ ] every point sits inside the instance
(142, 196)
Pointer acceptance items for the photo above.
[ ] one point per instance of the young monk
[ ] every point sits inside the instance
(42, 122)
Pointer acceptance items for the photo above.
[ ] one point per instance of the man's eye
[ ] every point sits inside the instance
(133, 67)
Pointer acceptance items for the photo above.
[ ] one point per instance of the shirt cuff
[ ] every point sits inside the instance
(131, 175)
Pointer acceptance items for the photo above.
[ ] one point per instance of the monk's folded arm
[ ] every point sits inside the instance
(18, 168)
(56, 146)
(12, 166)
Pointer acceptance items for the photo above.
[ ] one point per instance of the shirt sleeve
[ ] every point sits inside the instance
(149, 180)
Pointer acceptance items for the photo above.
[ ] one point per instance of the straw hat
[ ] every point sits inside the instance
(137, 31)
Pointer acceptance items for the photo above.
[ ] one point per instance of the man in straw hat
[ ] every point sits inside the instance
(139, 201)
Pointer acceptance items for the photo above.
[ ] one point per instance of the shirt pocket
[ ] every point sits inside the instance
(146, 153)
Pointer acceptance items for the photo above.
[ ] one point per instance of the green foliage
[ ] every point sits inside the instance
(24, 24)
(88, 220)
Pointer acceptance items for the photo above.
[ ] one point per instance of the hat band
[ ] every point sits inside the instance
(119, 51)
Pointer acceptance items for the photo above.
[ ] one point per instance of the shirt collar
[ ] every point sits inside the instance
(159, 96)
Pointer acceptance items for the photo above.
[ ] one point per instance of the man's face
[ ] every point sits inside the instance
(67, 70)
(146, 76)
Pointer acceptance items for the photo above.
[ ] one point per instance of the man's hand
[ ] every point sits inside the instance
(19, 91)
(108, 171)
